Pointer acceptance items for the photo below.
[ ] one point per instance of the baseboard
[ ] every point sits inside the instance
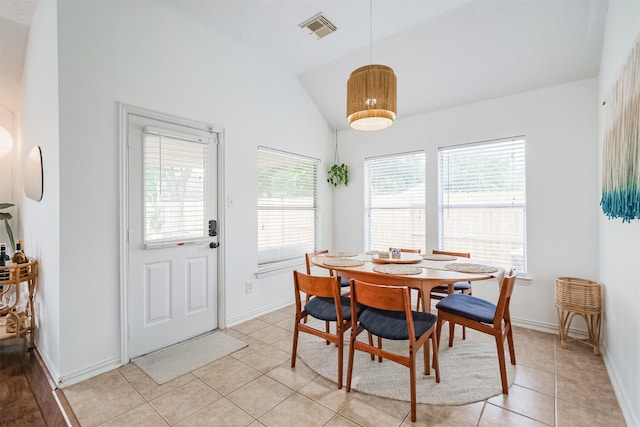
(629, 411)
(550, 328)
(90, 372)
(257, 313)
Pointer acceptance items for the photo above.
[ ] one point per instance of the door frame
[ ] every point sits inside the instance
(124, 111)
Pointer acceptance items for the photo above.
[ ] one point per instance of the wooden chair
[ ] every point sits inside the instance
(325, 303)
(420, 296)
(307, 258)
(388, 315)
(439, 292)
(483, 316)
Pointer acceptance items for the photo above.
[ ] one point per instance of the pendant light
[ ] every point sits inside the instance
(371, 92)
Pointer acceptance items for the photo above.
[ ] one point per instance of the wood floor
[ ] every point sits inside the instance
(27, 397)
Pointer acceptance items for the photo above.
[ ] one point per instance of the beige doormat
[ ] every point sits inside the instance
(171, 362)
(469, 370)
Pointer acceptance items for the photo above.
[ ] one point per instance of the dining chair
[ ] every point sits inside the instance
(307, 258)
(484, 316)
(388, 315)
(420, 296)
(439, 292)
(325, 303)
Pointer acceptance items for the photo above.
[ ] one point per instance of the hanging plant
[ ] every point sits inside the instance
(339, 172)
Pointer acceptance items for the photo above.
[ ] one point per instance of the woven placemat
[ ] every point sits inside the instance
(342, 262)
(397, 269)
(439, 257)
(464, 267)
(340, 254)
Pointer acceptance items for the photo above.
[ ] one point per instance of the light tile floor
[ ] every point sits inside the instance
(255, 386)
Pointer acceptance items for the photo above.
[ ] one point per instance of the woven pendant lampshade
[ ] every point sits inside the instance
(371, 97)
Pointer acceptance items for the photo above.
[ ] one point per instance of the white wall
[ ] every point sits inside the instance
(144, 55)
(560, 126)
(40, 221)
(620, 243)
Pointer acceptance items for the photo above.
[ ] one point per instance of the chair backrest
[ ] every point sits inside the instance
(504, 299)
(319, 286)
(383, 297)
(309, 255)
(409, 251)
(458, 254)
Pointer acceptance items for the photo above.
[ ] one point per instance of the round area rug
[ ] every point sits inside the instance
(469, 370)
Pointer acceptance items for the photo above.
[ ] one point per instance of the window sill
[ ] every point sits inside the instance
(277, 269)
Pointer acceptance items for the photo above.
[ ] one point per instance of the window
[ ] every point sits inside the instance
(287, 197)
(482, 201)
(174, 187)
(395, 202)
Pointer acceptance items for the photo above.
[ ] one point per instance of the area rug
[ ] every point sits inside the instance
(172, 362)
(469, 370)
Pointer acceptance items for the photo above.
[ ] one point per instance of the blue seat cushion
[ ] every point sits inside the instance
(325, 308)
(344, 282)
(468, 306)
(393, 324)
(458, 286)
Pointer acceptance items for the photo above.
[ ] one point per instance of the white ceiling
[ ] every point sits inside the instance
(444, 52)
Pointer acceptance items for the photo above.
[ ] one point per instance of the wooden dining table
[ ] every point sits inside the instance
(432, 273)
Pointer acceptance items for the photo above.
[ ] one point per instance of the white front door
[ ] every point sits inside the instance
(172, 191)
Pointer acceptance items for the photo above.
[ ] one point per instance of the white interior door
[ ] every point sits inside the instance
(172, 267)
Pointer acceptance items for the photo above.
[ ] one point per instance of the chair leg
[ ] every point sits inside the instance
(294, 351)
(380, 347)
(436, 363)
(439, 329)
(327, 328)
(371, 344)
(512, 350)
(501, 361)
(340, 355)
(412, 381)
(352, 350)
(452, 330)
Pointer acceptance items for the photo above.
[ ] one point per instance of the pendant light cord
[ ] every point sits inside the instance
(370, 32)
(336, 157)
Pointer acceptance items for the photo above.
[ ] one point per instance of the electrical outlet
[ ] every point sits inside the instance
(249, 287)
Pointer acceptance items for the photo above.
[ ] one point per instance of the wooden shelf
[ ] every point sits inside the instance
(18, 316)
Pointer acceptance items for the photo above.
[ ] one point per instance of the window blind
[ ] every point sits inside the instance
(482, 201)
(174, 188)
(287, 204)
(395, 201)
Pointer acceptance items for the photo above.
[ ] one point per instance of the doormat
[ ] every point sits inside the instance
(172, 362)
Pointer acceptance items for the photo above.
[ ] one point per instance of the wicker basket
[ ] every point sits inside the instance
(584, 298)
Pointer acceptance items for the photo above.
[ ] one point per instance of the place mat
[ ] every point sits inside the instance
(464, 267)
(397, 269)
(405, 258)
(340, 254)
(439, 257)
(342, 262)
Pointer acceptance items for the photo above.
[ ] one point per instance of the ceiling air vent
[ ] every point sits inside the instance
(319, 25)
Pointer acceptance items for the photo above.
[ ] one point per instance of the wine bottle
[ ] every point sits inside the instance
(19, 257)
(4, 261)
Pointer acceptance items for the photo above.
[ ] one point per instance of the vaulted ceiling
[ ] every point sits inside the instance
(444, 53)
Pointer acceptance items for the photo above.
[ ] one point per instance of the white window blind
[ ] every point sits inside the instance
(395, 202)
(482, 201)
(287, 203)
(174, 188)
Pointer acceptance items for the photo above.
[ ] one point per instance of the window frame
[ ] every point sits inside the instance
(442, 207)
(287, 259)
(369, 205)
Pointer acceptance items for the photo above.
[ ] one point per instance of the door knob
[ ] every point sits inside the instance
(214, 245)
